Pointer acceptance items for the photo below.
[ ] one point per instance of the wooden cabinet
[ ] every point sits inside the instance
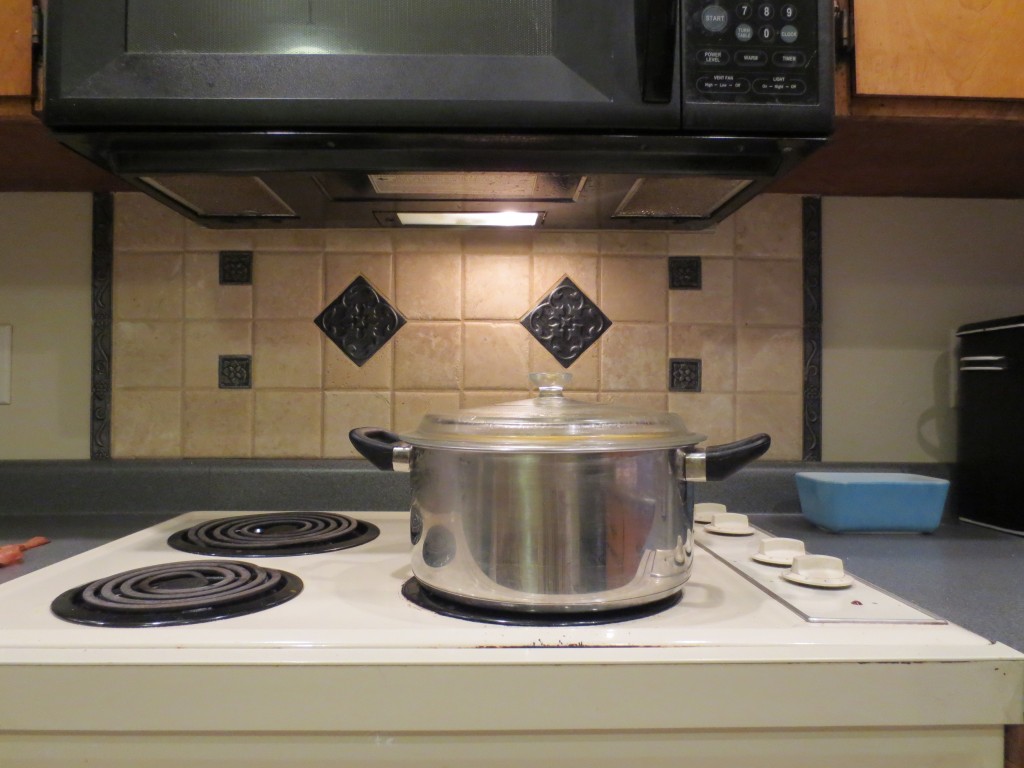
(968, 49)
(15, 48)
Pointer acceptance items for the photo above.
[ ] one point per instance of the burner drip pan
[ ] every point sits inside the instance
(177, 593)
(274, 534)
(425, 597)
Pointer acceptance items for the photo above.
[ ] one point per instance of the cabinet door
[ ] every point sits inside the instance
(939, 48)
(15, 47)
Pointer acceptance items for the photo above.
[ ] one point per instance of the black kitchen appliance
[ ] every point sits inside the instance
(301, 113)
(990, 456)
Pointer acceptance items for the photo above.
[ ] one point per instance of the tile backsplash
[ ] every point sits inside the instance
(216, 353)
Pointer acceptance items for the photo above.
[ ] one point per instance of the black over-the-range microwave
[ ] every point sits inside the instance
(592, 113)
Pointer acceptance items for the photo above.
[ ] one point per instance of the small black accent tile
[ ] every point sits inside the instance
(236, 267)
(360, 321)
(684, 375)
(566, 322)
(684, 273)
(234, 371)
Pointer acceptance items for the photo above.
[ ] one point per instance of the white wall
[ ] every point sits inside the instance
(45, 294)
(900, 275)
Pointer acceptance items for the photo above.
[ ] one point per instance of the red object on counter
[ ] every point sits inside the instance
(11, 554)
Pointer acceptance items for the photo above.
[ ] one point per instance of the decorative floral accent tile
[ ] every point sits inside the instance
(566, 322)
(684, 375)
(684, 273)
(236, 267)
(234, 371)
(360, 321)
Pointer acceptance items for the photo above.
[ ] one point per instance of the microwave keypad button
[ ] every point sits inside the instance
(751, 58)
(766, 11)
(788, 59)
(788, 12)
(744, 11)
(766, 33)
(788, 34)
(714, 18)
(712, 57)
(780, 85)
(744, 33)
(723, 84)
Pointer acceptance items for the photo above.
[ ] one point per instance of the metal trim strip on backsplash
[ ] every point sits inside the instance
(812, 279)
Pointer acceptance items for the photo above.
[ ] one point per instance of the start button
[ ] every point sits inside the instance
(714, 18)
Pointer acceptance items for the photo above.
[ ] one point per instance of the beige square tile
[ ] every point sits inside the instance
(557, 243)
(781, 416)
(428, 286)
(549, 269)
(357, 241)
(147, 354)
(448, 242)
(218, 423)
(147, 286)
(585, 370)
(769, 360)
(634, 288)
(199, 238)
(640, 242)
(286, 354)
(342, 268)
(769, 292)
(714, 346)
(341, 373)
(143, 224)
(410, 407)
(634, 357)
(492, 242)
(289, 240)
(713, 303)
(647, 401)
(770, 226)
(344, 411)
(497, 356)
(706, 413)
(287, 285)
(206, 341)
(288, 424)
(145, 424)
(206, 298)
(715, 241)
(497, 287)
(428, 356)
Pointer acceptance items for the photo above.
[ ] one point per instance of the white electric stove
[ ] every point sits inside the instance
(343, 669)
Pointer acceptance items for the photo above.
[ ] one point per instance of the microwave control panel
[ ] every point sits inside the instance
(752, 52)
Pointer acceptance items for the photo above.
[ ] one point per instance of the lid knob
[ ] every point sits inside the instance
(550, 384)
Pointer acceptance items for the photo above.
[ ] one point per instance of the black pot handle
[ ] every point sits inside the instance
(376, 444)
(722, 460)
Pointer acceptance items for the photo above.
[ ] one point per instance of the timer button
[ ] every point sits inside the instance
(744, 33)
(789, 59)
(788, 34)
(714, 18)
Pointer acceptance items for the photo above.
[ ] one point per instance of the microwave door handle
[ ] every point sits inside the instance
(656, 22)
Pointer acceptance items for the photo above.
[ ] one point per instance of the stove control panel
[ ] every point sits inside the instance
(816, 587)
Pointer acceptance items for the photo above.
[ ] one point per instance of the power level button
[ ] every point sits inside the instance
(714, 18)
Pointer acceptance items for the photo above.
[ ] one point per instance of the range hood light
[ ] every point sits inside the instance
(468, 219)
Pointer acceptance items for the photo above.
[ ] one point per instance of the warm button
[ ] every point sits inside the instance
(714, 18)
(751, 58)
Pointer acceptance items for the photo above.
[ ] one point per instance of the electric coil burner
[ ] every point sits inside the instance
(432, 600)
(177, 593)
(274, 534)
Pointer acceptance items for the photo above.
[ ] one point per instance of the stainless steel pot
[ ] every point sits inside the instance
(553, 504)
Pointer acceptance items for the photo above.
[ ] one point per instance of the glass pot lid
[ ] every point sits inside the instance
(552, 422)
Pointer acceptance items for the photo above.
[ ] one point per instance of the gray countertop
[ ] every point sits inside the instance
(964, 573)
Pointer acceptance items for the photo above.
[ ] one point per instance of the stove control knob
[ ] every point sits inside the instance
(705, 511)
(818, 571)
(779, 551)
(729, 524)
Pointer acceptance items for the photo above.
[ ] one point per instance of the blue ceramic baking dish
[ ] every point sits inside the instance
(872, 501)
